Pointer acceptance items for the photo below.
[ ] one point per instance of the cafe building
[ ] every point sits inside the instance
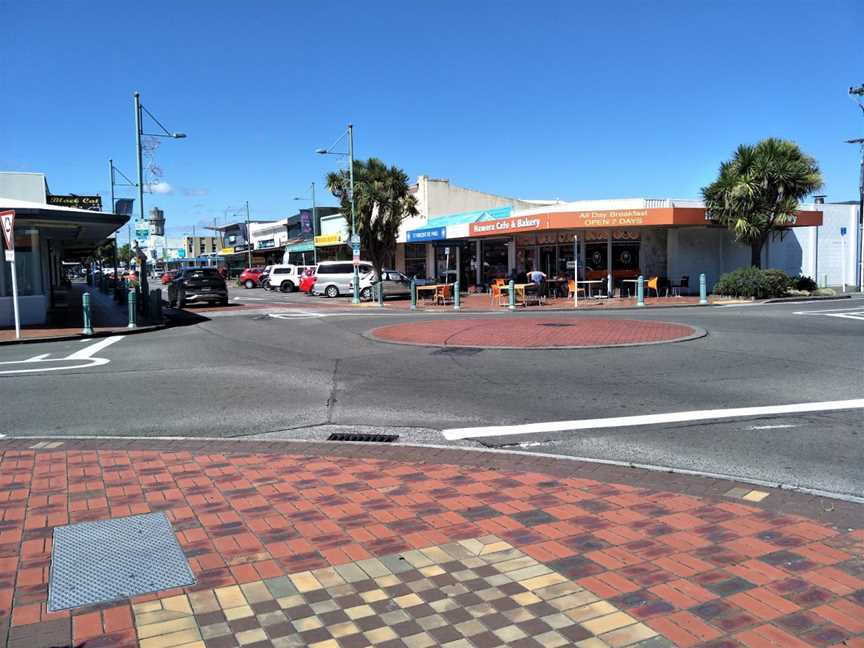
(611, 242)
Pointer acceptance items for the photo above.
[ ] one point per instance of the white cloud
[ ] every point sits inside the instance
(161, 188)
(194, 191)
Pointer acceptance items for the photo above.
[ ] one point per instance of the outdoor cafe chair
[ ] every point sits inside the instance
(676, 288)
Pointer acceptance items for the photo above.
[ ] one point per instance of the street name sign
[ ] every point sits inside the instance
(7, 224)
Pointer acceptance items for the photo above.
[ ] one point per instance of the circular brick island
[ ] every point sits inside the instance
(561, 332)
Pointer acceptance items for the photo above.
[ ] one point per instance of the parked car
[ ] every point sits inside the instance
(285, 277)
(196, 285)
(395, 284)
(251, 277)
(307, 281)
(168, 276)
(333, 278)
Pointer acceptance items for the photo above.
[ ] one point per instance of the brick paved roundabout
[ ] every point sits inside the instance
(358, 545)
(550, 332)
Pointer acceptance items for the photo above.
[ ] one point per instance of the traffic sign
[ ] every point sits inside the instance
(355, 240)
(7, 222)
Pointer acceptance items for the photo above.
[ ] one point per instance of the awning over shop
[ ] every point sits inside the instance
(80, 230)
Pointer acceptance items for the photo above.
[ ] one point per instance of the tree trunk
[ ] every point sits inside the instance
(756, 253)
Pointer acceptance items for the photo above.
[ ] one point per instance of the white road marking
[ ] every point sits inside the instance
(853, 316)
(648, 419)
(770, 427)
(95, 348)
(85, 355)
(824, 311)
(41, 356)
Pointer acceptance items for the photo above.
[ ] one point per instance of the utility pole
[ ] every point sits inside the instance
(314, 228)
(859, 93)
(249, 239)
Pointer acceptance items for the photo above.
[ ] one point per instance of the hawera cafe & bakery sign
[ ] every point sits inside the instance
(572, 220)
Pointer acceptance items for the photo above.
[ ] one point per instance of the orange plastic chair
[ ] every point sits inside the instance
(445, 294)
(652, 283)
(571, 286)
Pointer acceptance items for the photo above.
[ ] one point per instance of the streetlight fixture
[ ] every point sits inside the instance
(314, 224)
(139, 156)
(349, 132)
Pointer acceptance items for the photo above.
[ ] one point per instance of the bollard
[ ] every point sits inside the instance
(640, 291)
(88, 322)
(511, 299)
(703, 292)
(825, 281)
(156, 306)
(413, 294)
(457, 299)
(380, 288)
(133, 311)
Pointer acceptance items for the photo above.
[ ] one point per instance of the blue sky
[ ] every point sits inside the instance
(563, 100)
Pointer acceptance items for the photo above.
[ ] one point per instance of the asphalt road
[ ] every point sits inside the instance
(304, 375)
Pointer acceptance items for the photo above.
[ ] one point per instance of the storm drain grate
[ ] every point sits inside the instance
(359, 436)
(555, 324)
(108, 560)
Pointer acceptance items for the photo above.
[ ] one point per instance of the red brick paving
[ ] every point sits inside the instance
(744, 576)
(534, 332)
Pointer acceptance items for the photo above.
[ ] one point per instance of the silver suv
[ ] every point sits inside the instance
(333, 278)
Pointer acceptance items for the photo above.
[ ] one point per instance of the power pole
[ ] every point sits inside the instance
(859, 93)
(249, 239)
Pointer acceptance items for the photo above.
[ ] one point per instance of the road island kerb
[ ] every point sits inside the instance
(535, 333)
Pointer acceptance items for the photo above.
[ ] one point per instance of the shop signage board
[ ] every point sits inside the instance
(336, 238)
(427, 234)
(91, 203)
(7, 224)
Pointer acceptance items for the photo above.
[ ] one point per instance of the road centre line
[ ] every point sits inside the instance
(93, 349)
(648, 419)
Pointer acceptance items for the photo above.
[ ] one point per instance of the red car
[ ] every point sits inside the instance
(251, 277)
(307, 281)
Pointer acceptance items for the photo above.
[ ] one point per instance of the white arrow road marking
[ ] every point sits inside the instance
(85, 355)
(648, 419)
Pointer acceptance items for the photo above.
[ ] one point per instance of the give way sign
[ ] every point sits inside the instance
(7, 223)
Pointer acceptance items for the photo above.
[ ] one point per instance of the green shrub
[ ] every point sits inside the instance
(753, 282)
(804, 283)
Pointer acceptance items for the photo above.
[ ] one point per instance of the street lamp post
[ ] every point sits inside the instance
(139, 155)
(314, 225)
(355, 297)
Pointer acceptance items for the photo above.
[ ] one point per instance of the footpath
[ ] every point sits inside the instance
(332, 545)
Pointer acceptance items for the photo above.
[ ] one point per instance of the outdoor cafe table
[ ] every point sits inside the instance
(518, 289)
(588, 283)
(633, 281)
(430, 288)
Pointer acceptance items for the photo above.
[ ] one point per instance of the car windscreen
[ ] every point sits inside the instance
(203, 273)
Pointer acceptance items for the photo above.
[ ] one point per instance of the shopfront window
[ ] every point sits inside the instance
(28, 265)
(494, 260)
(415, 260)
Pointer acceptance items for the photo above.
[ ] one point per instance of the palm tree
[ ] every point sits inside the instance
(382, 200)
(759, 189)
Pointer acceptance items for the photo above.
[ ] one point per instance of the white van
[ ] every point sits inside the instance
(285, 277)
(333, 278)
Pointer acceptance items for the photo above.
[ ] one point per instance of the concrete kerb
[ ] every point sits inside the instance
(147, 328)
(698, 332)
(792, 300)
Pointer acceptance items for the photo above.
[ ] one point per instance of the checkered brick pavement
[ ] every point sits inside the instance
(288, 545)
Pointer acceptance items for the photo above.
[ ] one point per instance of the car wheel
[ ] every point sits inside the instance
(287, 287)
(223, 302)
(366, 294)
(332, 291)
(249, 283)
(266, 285)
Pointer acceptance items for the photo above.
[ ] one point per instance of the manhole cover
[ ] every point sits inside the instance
(108, 560)
(457, 351)
(362, 436)
(555, 324)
